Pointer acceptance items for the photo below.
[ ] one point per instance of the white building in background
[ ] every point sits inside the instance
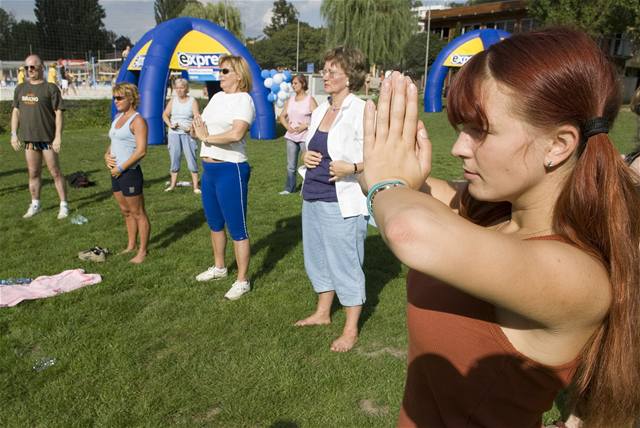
(421, 12)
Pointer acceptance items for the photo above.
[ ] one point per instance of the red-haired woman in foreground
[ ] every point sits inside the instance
(525, 279)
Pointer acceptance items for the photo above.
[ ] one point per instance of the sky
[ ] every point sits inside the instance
(133, 18)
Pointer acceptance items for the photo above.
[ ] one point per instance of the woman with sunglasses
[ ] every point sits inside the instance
(295, 117)
(128, 146)
(334, 222)
(525, 279)
(222, 128)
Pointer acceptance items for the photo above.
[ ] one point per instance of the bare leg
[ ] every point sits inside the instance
(242, 252)
(349, 335)
(172, 180)
(322, 315)
(51, 158)
(34, 165)
(194, 179)
(130, 222)
(219, 245)
(136, 205)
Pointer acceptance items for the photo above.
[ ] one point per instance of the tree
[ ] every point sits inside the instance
(283, 14)
(25, 39)
(165, 10)
(603, 18)
(70, 27)
(414, 52)
(221, 14)
(280, 48)
(379, 28)
(7, 22)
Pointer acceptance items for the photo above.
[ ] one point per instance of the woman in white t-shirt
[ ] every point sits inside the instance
(222, 129)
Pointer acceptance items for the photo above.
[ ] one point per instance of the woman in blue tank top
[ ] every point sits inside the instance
(128, 146)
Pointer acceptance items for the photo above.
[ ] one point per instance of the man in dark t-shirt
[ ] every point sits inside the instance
(36, 121)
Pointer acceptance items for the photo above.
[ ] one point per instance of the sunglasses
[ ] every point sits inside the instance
(32, 67)
(225, 71)
(118, 98)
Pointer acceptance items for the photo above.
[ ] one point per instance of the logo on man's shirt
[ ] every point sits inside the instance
(30, 99)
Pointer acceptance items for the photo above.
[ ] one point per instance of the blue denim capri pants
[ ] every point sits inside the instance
(334, 251)
(224, 197)
(182, 143)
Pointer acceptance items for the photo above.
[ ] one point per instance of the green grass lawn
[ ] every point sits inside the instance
(151, 346)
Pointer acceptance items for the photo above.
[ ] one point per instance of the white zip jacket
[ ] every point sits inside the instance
(344, 142)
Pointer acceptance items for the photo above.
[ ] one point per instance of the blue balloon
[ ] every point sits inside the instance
(272, 97)
(287, 76)
(272, 72)
(264, 74)
(275, 88)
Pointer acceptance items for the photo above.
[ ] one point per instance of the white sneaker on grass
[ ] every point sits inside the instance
(284, 192)
(64, 212)
(33, 210)
(213, 272)
(237, 290)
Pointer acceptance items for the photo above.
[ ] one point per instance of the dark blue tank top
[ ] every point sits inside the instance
(316, 185)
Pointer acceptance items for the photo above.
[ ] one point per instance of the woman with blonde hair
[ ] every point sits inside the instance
(222, 128)
(128, 146)
(178, 116)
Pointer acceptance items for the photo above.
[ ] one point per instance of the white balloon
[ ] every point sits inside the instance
(280, 103)
(287, 87)
(278, 78)
(268, 82)
(282, 95)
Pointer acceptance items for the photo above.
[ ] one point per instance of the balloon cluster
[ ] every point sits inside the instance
(279, 84)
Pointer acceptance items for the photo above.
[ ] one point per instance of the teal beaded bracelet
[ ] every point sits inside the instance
(379, 187)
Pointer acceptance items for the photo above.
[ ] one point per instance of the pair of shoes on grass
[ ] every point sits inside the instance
(36, 208)
(95, 254)
(214, 273)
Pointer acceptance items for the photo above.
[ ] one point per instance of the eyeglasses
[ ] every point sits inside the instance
(118, 98)
(32, 67)
(226, 71)
(332, 74)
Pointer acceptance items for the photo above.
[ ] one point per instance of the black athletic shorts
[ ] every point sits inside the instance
(129, 182)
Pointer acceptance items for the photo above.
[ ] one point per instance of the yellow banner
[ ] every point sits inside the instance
(464, 52)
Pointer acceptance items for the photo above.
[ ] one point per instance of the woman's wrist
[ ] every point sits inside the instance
(379, 187)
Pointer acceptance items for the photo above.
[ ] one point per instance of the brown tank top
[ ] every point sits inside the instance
(463, 371)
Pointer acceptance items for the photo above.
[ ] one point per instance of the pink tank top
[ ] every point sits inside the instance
(298, 113)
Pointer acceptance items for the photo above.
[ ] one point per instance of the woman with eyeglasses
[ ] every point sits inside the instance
(295, 117)
(222, 128)
(128, 146)
(178, 116)
(334, 222)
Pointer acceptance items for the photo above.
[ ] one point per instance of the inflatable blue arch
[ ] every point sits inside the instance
(193, 46)
(456, 54)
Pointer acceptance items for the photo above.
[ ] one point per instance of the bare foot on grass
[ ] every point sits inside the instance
(139, 258)
(315, 319)
(345, 342)
(127, 250)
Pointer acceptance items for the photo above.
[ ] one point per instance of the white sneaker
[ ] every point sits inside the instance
(284, 192)
(212, 273)
(237, 290)
(33, 210)
(64, 212)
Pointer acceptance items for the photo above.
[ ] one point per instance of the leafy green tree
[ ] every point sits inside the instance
(280, 48)
(25, 39)
(414, 52)
(283, 14)
(70, 27)
(7, 22)
(222, 14)
(379, 28)
(596, 17)
(165, 10)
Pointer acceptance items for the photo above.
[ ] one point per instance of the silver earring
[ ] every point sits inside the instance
(347, 83)
(549, 164)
